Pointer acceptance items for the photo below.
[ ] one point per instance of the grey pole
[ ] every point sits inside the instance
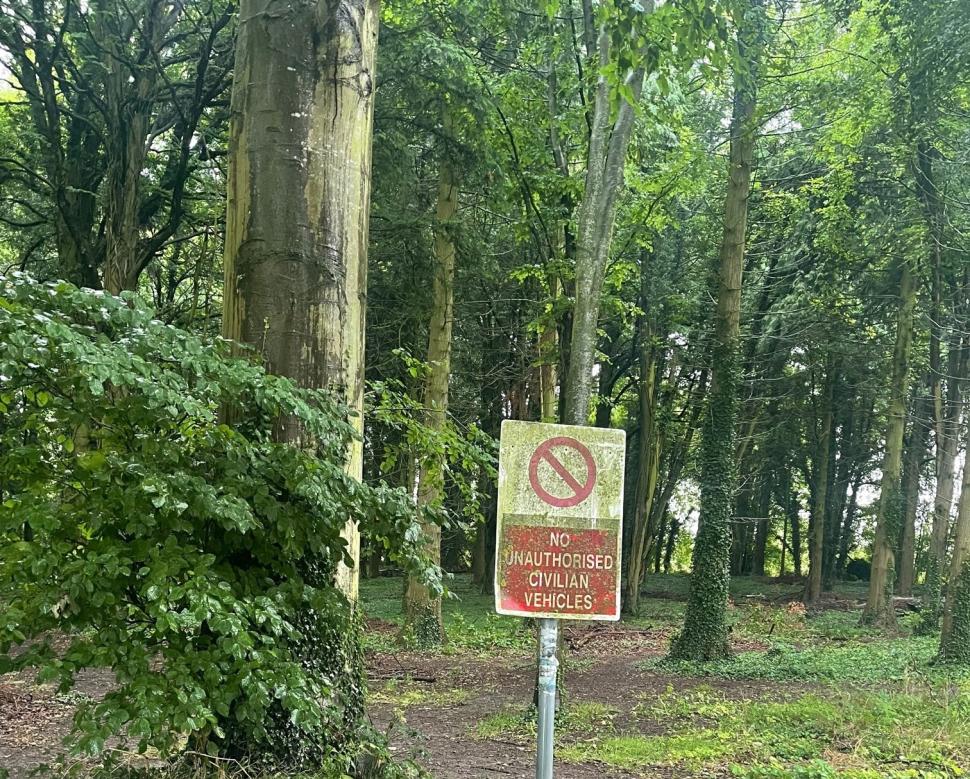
(548, 668)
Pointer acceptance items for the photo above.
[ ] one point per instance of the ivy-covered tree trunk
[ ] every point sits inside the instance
(704, 635)
(879, 603)
(955, 638)
(296, 243)
(422, 608)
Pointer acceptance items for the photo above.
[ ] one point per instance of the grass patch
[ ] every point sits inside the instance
(576, 720)
(851, 734)
(690, 750)
(471, 625)
(404, 694)
(904, 659)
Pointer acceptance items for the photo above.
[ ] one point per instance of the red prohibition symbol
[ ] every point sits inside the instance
(580, 490)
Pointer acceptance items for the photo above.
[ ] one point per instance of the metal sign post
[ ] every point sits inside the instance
(548, 671)
(560, 512)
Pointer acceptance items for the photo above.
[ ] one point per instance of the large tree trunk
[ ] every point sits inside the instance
(879, 604)
(704, 635)
(422, 609)
(955, 638)
(296, 239)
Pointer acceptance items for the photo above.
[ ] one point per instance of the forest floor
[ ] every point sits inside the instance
(807, 696)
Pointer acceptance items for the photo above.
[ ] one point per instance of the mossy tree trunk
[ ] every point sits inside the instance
(879, 603)
(704, 635)
(422, 608)
(955, 638)
(295, 258)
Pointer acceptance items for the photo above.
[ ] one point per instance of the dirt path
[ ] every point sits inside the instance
(603, 666)
(430, 711)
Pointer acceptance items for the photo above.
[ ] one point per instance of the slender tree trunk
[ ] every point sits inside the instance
(548, 360)
(879, 604)
(648, 471)
(793, 511)
(947, 419)
(784, 545)
(671, 542)
(704, 635)
(820, 494)
(609, 138)
(296, 243)
(422, 609)
(763, 528)
(955, 638)
(913, 463)
(658, 546)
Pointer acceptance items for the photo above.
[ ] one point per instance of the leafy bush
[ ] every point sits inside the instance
(192, 556)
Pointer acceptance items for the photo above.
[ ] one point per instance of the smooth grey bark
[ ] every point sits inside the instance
(608, 142)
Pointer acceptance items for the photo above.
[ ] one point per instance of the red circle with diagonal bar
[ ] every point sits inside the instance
(581, 489)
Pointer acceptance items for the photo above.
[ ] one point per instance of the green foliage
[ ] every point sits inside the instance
(400, 422)
(192, 556)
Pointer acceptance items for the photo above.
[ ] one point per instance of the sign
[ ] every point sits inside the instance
(560, 512)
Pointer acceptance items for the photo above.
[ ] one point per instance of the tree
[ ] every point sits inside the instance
(820, 499)
(296, 238)
(119, 99)
(879, 602)
(704, 635)
(611, 125)
(422, 606)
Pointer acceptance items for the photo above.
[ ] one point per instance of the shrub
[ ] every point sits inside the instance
(192, 556)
